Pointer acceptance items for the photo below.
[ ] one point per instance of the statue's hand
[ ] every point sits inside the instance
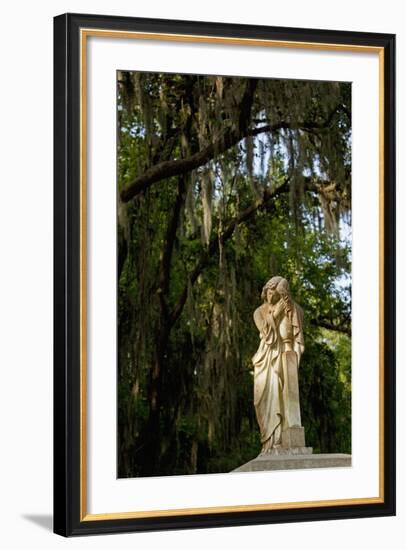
(279, 309)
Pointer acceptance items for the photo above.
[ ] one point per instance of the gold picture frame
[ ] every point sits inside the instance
(71, 95)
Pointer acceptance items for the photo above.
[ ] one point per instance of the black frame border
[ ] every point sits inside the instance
(67, 520)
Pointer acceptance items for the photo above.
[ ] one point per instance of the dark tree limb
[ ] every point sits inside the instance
(336, 327)
(312, 125)
(162, 332)
(169, 242)
(217, 240)
(171, 168)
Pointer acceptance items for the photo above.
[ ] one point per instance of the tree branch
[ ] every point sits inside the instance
(216, 240)
(169, 242)
(311, 125)
(171, 168)
(341, 327)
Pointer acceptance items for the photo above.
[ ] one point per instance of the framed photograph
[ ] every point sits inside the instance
(224, 254)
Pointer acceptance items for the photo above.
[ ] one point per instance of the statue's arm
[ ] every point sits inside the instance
(298, 332)
(259, 320)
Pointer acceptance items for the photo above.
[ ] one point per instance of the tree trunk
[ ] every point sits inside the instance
(153, 436)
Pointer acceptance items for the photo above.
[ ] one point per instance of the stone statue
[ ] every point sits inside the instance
(276, 391)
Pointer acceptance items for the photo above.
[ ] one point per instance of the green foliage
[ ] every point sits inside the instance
(325, 398)
(265, 205)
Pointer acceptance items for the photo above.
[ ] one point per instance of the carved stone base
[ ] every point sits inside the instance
(269, 462)
(291, 400)
(280, 451)
(293, 437)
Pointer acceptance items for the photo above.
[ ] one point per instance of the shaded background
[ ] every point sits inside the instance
(224, 182)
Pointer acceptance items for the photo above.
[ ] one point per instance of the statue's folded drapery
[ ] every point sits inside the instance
(280, 324)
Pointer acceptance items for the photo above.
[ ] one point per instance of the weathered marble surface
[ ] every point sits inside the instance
(279, 321)
(290, 392)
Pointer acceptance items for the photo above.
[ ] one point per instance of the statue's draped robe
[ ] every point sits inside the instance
(276, 327)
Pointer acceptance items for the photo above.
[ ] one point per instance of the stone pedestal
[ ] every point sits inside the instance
(293, 436)
(291, 417)
(292, 461)
(293, 453)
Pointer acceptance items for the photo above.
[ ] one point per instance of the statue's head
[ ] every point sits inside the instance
(274, 289)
